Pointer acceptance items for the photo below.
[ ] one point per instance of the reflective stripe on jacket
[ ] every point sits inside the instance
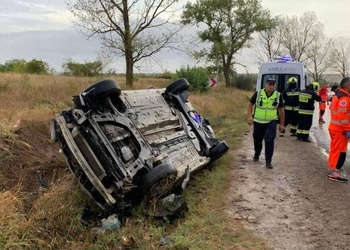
(291, 99)
(307, 98)
(266, 107)
(340, 112)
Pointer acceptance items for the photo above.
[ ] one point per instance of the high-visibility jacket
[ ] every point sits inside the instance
(307, 98)
(324, 94)
(266, 107)
(340, 112)
(291, 98)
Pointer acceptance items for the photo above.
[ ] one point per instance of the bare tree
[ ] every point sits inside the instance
(341, 56)
(135, 29)
(319, 56)
(267, 45)
(296, 34)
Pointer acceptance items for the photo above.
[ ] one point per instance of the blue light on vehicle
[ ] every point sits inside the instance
(196, 117)
(283, 59)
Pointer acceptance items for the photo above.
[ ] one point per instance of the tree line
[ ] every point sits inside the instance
(137, 30)
(303, 38)
(93, 68)
(197, 76)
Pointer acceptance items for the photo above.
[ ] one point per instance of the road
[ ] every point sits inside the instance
(319, 132)
(294, 205)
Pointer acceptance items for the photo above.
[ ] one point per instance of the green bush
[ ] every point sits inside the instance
(165, 75)
(37, 67)
(244, 81)
(22, 66)
(14, 65)
(88, 69)
(198, 77)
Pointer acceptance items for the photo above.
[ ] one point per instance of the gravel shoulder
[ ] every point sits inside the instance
(294, 205)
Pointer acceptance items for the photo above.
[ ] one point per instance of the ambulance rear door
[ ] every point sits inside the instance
(281, 72)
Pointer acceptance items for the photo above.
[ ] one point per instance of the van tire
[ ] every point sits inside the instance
(178, 86)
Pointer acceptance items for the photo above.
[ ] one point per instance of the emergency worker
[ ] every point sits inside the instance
(339, 130)
(268, 109)
(291, 105)
(316, 86)
(323, 93)
(307, 98)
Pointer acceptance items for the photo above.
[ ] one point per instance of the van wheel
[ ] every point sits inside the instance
(100, 90)
(178, 86)
(218, 151)
(158, 182)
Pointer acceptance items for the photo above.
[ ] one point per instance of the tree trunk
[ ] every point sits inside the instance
(128, 46)
(129, 70)
(226, 71)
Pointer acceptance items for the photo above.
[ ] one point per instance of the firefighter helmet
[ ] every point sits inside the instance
(292, 80)
(316, 86)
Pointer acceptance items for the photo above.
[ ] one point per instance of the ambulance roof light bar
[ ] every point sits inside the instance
(283, 59)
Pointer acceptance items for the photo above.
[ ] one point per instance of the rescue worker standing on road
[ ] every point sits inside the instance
(324, 99)
(291, 106)
(307, 98)
(268, 108)
(339, 130)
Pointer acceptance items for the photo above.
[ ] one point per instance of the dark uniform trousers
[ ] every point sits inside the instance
(265, 131)
(304, 125)
(291, 117)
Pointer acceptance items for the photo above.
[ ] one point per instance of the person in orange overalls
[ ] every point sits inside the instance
(339, 130)
(323, 93)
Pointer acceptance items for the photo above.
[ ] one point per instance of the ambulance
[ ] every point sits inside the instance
(281, 69)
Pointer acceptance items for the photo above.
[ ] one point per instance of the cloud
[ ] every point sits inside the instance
(50, 46)
(55, 46)
(41, 29)
(18, 15)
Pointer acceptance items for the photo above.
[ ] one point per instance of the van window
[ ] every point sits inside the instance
(307, 80)
(281, 80)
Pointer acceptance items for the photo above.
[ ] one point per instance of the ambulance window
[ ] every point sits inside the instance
(280, 81)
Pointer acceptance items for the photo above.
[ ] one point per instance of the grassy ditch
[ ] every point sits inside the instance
(52, 221)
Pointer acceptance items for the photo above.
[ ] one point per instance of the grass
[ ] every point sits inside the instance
(53, 222)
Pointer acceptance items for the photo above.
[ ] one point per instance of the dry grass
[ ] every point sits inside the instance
(54, 219)
(12, 220)
(38, 98)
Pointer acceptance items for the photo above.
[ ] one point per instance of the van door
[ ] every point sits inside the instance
(281, 80)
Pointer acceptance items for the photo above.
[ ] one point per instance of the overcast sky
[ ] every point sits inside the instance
(41, 29)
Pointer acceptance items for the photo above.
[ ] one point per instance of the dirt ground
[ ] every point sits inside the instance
(293, 205)
(34, 163)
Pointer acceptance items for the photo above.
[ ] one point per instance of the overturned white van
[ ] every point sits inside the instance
(282, 69)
